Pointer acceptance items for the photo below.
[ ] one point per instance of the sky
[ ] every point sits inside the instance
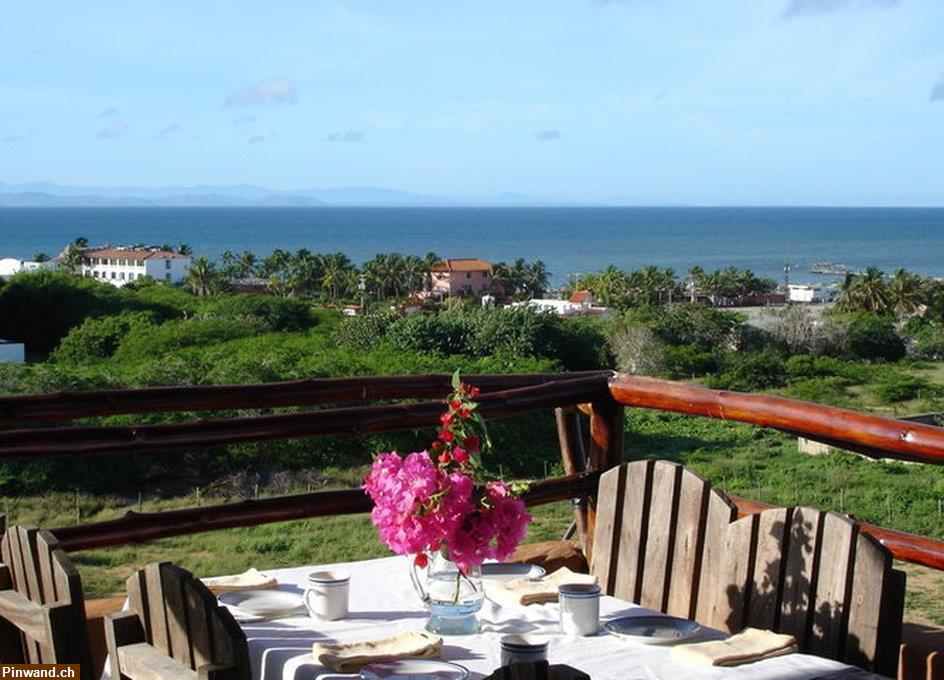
(642, 102)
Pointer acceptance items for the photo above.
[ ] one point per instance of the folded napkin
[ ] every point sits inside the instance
(351, 657)
(252, 579)
(523, 591)
(751, 644)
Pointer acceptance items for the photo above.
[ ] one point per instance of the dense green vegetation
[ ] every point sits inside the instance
(90, 335)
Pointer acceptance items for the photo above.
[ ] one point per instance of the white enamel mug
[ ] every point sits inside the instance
(327, 594)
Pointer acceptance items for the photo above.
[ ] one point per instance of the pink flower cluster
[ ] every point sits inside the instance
(419, 506)
(493, 531)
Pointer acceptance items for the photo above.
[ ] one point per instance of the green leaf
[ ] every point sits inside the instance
(456, 382)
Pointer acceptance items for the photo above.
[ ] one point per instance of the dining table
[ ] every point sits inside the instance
(384, 603)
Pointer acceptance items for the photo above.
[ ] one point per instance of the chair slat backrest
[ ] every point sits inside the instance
(668, 541)
(177, 616)
(47, 588)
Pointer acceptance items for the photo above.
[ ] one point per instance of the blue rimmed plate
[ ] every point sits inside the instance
(652, 630)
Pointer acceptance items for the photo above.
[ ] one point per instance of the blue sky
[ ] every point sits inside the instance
(836, 102)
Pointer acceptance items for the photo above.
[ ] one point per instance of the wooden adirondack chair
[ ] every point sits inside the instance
(174, 629)
(668, 541)
(42, 609)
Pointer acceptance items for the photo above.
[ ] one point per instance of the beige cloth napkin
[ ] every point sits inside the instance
(351, 657)
(751, 644)
(523, 591)
(251, 579)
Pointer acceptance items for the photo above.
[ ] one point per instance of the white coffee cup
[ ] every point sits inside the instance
(327, 594)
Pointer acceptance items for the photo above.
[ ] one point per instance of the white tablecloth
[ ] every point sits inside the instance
(383, 602)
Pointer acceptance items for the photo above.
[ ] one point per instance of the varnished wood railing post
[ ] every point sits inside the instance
(607, 421)
(574, 457)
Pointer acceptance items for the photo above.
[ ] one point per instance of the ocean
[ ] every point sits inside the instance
(568, 240)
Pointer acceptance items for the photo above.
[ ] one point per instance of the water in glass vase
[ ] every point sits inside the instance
(453, 598)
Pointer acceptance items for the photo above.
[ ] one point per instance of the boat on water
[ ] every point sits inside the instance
(829, 268)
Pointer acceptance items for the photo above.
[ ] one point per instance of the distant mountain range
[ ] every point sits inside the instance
(46, 195)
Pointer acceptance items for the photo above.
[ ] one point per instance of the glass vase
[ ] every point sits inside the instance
(452, 597)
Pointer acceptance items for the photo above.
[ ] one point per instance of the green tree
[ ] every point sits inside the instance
(203, 278)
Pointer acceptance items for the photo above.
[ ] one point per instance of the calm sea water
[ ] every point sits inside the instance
(569, 240)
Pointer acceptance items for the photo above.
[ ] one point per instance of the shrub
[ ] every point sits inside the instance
(927, 342)
(685, 324)
(98, 338)
(637, 349)
(750, 371)
(149, 341)
(40, 308)
(363, 332)
(800, 332)
(688, 361)
(279, 314)
(824, 390)
(873, 338)
(899, 387)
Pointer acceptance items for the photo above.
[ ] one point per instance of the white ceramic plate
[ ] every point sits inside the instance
(509, 571)
(263, 603)
(652, 630)
(414, 669)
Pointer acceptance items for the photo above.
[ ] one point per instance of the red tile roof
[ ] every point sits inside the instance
(134, 254)
(581, 296)
(468, 264)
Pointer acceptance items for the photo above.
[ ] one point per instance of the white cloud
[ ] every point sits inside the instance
(547, 135)
(258, 139)
(801, 7)
(113, 130)
(13, 138)
(169, 129)
(280, 90)
(108, 111)
(346, 136)
(937, 92)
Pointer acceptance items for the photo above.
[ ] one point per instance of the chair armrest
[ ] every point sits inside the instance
(121, 629)
(217, 671)
(31, 618)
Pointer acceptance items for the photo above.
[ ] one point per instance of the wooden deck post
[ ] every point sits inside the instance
(574, 457)
(607, 420)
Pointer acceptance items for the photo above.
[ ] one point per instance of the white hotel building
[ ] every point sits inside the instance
(119, 266)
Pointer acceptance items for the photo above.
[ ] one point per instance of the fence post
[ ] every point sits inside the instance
(574, 458)
(607, 420)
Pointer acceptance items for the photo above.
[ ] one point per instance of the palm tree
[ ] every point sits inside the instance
(41, 257)
(336, 268)
(202, 278)
(245, 264)
(906, 292)
(536, 279)
(867, 292)
(430, 260)
(501, 278)
(274, 263)
(696, 281)
(415, 271)
(73, 258)
(184, 249)
(80, 242)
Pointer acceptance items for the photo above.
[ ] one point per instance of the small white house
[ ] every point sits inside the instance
(797, 292)
(119, 266)
(10, 266)
(12, 352)
(579, 304)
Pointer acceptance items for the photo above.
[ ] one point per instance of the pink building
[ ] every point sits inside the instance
(462, 277)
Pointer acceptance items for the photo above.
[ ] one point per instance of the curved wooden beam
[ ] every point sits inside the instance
(869, 435)
(57, 407)
(84, 441)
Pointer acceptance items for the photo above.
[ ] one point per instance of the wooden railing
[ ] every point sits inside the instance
(33, 432)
